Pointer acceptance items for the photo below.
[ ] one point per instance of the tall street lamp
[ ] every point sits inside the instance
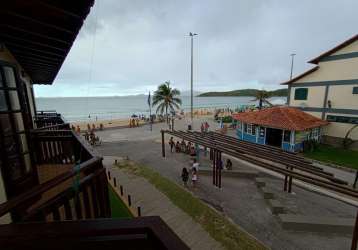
(292, 58)
(191, 79)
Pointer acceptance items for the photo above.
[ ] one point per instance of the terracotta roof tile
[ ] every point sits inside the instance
(281, 117)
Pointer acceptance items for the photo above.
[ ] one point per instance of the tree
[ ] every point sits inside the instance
(262, 96)
(166, 98)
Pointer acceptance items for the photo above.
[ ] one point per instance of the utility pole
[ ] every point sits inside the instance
(191, 79)
(292, 58)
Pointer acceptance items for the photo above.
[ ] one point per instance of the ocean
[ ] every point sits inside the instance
(119, 107)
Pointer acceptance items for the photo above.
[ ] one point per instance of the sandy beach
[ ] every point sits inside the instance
(203, 114)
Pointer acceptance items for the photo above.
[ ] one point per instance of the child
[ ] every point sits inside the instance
(185, 176)
(194, 177)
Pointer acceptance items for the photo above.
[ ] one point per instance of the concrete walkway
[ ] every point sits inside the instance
(155, 203)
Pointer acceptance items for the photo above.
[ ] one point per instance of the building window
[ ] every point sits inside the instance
(287, 136)
(301, 93)
(262, 132)
(250, 129)
(315, 133)
(355, 90)
(342, 119)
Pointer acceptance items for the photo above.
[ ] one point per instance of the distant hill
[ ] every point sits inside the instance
(244, 92)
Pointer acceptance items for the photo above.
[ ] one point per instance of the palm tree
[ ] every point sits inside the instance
(262, 96)
(166, 98)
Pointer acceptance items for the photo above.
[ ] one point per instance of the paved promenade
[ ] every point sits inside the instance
(154, 203)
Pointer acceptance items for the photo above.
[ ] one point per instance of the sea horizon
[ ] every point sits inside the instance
(79, 109)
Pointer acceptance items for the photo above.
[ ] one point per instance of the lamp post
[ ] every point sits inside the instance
(191, 80)
(292, 58)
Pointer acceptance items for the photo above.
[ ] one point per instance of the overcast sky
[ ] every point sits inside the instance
(130, 46)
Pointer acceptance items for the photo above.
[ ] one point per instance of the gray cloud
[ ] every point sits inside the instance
(140, 43)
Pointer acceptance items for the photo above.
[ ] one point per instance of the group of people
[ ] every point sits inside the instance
(187, 148)
(133, 122)
(204, 127)
(91, 137)
(182, 147)
(194, 174)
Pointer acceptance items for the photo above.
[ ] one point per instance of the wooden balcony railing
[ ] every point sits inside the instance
(84, 196)
(59, 146)
(139, 233)
(48, 118)
(72, 209)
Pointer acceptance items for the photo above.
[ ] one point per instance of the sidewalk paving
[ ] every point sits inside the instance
(155, 203)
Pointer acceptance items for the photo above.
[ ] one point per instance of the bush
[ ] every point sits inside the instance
(310, 146)
(227, 119)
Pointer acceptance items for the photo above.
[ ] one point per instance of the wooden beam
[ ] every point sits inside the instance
(58, 9)
(28, 54)
(34, 49)
(5, 37)
(36, 62)
(37, 22)
(25, 31)
(35, 59)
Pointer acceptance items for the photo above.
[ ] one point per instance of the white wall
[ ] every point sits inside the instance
(315, 97)
(338, 129)
(342, 96)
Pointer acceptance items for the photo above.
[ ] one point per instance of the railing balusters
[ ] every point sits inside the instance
(78, 206)
(68, 211)
(56, 214)
(86, 202)
(94, 199)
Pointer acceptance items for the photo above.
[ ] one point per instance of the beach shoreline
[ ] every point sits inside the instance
(125, 122)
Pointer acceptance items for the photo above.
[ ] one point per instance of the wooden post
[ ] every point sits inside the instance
(214, 163)
(290, 183)
(163, 144)
(355, 234)
(139, 213)
(114, 182)
(220, 168)
(285, 184)
(109, 175)
(129, 200)
(217, 167)
(355, 180)
(121, 189)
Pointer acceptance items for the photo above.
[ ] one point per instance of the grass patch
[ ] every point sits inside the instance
(222, 230)
(118, 208)
(339, 156)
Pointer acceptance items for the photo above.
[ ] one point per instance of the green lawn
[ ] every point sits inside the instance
(339, 156)
(222, 230)
(118, 208)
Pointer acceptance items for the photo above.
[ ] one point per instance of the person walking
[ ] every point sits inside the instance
(185, 176)
(195, 165)
(171, 143)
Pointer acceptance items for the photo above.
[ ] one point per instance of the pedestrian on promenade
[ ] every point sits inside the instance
(192, 152)
(171, 143)
(228, 164)
(182, 146)
(177, 147)
(188, 148)
(195, 165)
(185, 176)
(194, 178)
(206, 126)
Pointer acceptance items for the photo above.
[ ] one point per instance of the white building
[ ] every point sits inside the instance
(330, 91)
